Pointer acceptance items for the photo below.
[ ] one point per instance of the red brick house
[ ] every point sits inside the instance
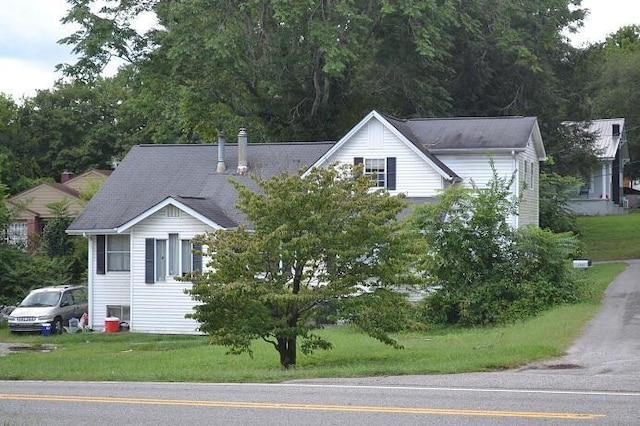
(30, 207)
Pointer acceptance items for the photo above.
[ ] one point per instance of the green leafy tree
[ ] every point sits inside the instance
(319, 238)
(73, 127)
(468, 242)
(78, 126)
(573, 151)
(300, 70)
(5, 213)
(626, 39)
(10, 289)
(289, 69)
(58, 246)
(507, 56)
(11, 166)
(555, 192)
(20, 271)
(55, 241)
(513, 58)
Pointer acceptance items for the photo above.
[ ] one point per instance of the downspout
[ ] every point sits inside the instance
(605, 177)
(516, 189)
(131, 315)
(90, 245)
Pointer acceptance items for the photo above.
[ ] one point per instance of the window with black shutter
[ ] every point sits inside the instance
(391, 173)
(381, 170)
(100, 255)
(149, 260)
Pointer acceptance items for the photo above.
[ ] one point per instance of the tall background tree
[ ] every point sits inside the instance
(309, 69)
(287, 69)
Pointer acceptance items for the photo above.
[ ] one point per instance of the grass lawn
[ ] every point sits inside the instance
(140, 357)
(610, 237)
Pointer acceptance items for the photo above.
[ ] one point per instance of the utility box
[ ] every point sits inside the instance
(582, 263)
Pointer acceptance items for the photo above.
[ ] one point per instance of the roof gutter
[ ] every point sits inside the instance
(85, 232)
(485, 151)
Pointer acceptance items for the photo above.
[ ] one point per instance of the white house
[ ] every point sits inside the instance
(603, 192)
(139, 225)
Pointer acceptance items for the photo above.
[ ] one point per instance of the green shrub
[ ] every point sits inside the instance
(485, 271)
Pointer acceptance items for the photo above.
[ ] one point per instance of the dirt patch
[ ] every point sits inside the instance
(7, 348)
(562, 366)
(547, 366)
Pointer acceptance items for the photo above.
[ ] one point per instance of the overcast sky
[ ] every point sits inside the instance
(30, 29)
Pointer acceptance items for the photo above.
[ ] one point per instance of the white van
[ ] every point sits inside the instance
(49, 305)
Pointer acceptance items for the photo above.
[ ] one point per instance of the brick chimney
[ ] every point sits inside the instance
(66, 176)
(242, 152)
(222, 167)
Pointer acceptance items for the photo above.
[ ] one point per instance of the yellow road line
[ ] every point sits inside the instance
(284, 406)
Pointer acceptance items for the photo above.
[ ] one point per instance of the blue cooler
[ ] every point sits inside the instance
(45, 329)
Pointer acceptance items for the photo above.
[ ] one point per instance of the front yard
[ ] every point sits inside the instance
(140, 357)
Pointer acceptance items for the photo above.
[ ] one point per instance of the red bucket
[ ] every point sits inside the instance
(111, 325)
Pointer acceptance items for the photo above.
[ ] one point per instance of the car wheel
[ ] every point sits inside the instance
(57, 326)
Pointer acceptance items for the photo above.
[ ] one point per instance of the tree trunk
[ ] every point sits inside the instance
(287, 350)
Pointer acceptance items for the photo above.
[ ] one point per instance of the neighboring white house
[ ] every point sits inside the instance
(139, 225)
(603, 192)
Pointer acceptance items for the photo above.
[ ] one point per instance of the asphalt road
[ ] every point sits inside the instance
(597, 382)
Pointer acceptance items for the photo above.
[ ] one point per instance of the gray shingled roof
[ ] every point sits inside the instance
(149, 174)
(439, 135)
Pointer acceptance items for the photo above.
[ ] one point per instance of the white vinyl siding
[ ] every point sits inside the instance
(414, 176)
(156, 308)
(112, 288)
(528, 208)
(477, 169)
(524, 188)
(161, 307)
